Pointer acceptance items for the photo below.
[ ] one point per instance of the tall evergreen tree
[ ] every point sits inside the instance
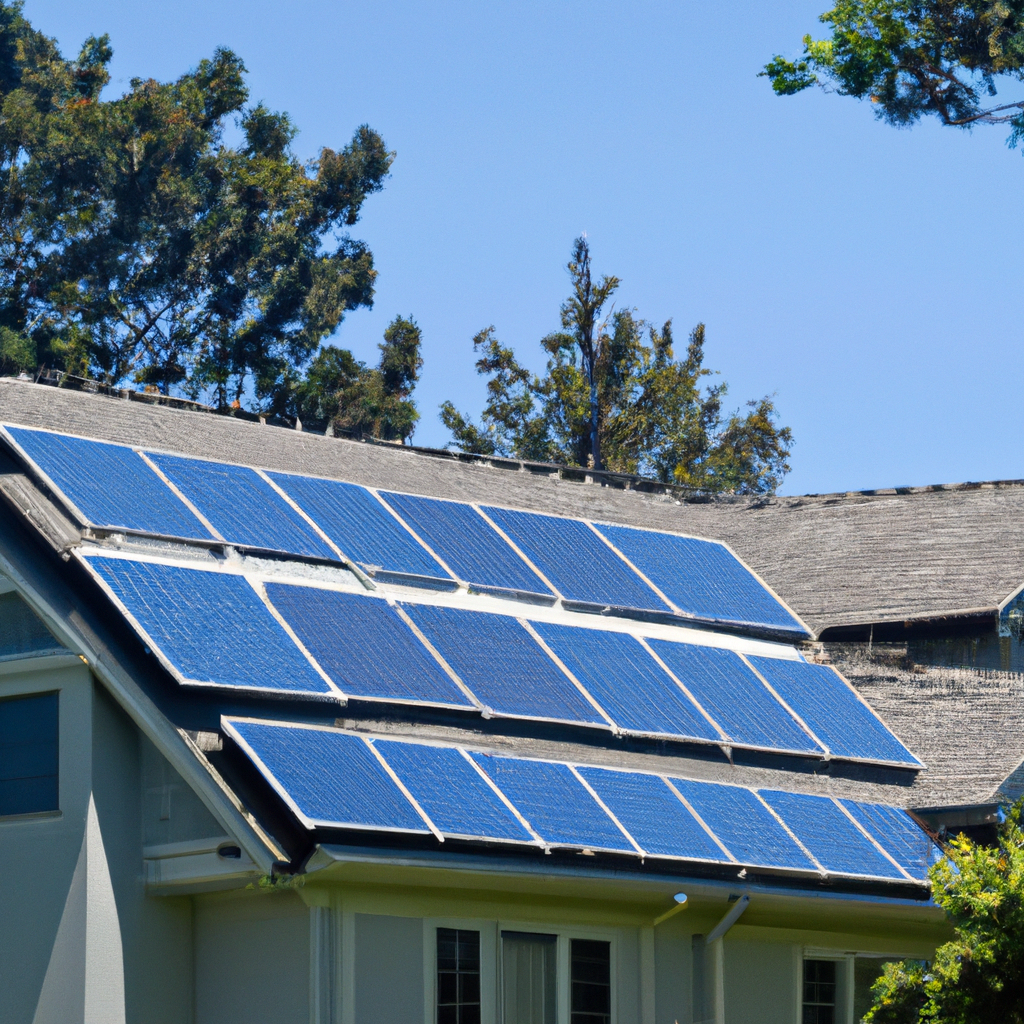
(615, 396)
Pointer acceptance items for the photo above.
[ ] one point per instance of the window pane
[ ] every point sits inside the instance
(528, 978)
(866, 971)
(591, 982)
(28, 754)
(458, 976)
(819, 992)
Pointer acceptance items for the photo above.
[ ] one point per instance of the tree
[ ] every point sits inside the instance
(914, 58)
(977, 977)
(614, 395)
(342, 395)
(135, 245)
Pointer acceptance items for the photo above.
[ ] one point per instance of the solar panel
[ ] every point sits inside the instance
(734, 697)
(364, 646)
(829, 834)
(701, 577)
(242, 507)
(502, 664)
(348, 788)
(833, 712)
(451, 791)
(743, 824)
(627, 682)
(901, 836)
(360, 525)
(552, 800)
(109, 484)
(576, 561)
(467, 543)
(653, 815)
(211, 626)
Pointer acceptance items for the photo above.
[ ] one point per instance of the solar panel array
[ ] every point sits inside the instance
(216, 628)
(410, 539)
(335, 779)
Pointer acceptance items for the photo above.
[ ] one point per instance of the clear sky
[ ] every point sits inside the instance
(870, 278)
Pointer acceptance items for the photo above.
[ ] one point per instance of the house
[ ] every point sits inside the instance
(300, 729)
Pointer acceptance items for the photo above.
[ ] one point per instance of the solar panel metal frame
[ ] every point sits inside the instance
(913, 765)
(485, 780)
(857, 808)
(37, 471)
(227, 724)
(331, 694)
(802, 633)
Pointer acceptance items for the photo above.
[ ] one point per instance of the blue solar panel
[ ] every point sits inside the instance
(242, 507)
(734, 696)
(211, 626)
(360, 525)
(829, 834)
(467, 543)
(832, 710)
(894, 829)
(552, 800)
(627, 682)
(653, 815)
(451, 791)
(109, 484)
(701, 577)
(741, 821)
(364, 646)
(333, 778)
(502, 664)
(579, 564)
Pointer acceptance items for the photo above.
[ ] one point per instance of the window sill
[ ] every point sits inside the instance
(15, 819)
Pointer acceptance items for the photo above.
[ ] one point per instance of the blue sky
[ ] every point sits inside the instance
(869, 277)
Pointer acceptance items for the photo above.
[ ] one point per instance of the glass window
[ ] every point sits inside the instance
(458, 976)
(819, 992)
(528, 993)
(28, 754)
(591, 971)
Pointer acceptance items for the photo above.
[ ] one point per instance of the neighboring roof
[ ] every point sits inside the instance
(837, 560)
(130, 599)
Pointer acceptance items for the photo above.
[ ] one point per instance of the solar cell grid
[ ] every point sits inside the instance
(348, 788)
(469, 545)
(242, 506)
(364, 646)
(451, 791)
(211, 626)
(744, 825)
(109, 484)
(829, 834)
(361, 527)
(734, 697)
(577, 562)
(552, 800)
(502, 664)
(832, 711)
(901, 836)
(627, 682)
(653, 815)
(701, 577)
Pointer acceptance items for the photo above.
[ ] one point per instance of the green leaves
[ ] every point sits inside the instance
(977, 977)
(914, 58)
(654, 415)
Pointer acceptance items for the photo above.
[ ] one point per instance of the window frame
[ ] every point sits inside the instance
(845, 959)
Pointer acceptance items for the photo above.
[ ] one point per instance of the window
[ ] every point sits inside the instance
(591, 976)
(458, 976)
(528, 993)
(819, 992)
(28, 754)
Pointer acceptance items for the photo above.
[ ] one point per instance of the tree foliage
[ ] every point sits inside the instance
(914, 58)
(615, 396)
(340, 394)
(977, 977)
(137, 246)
